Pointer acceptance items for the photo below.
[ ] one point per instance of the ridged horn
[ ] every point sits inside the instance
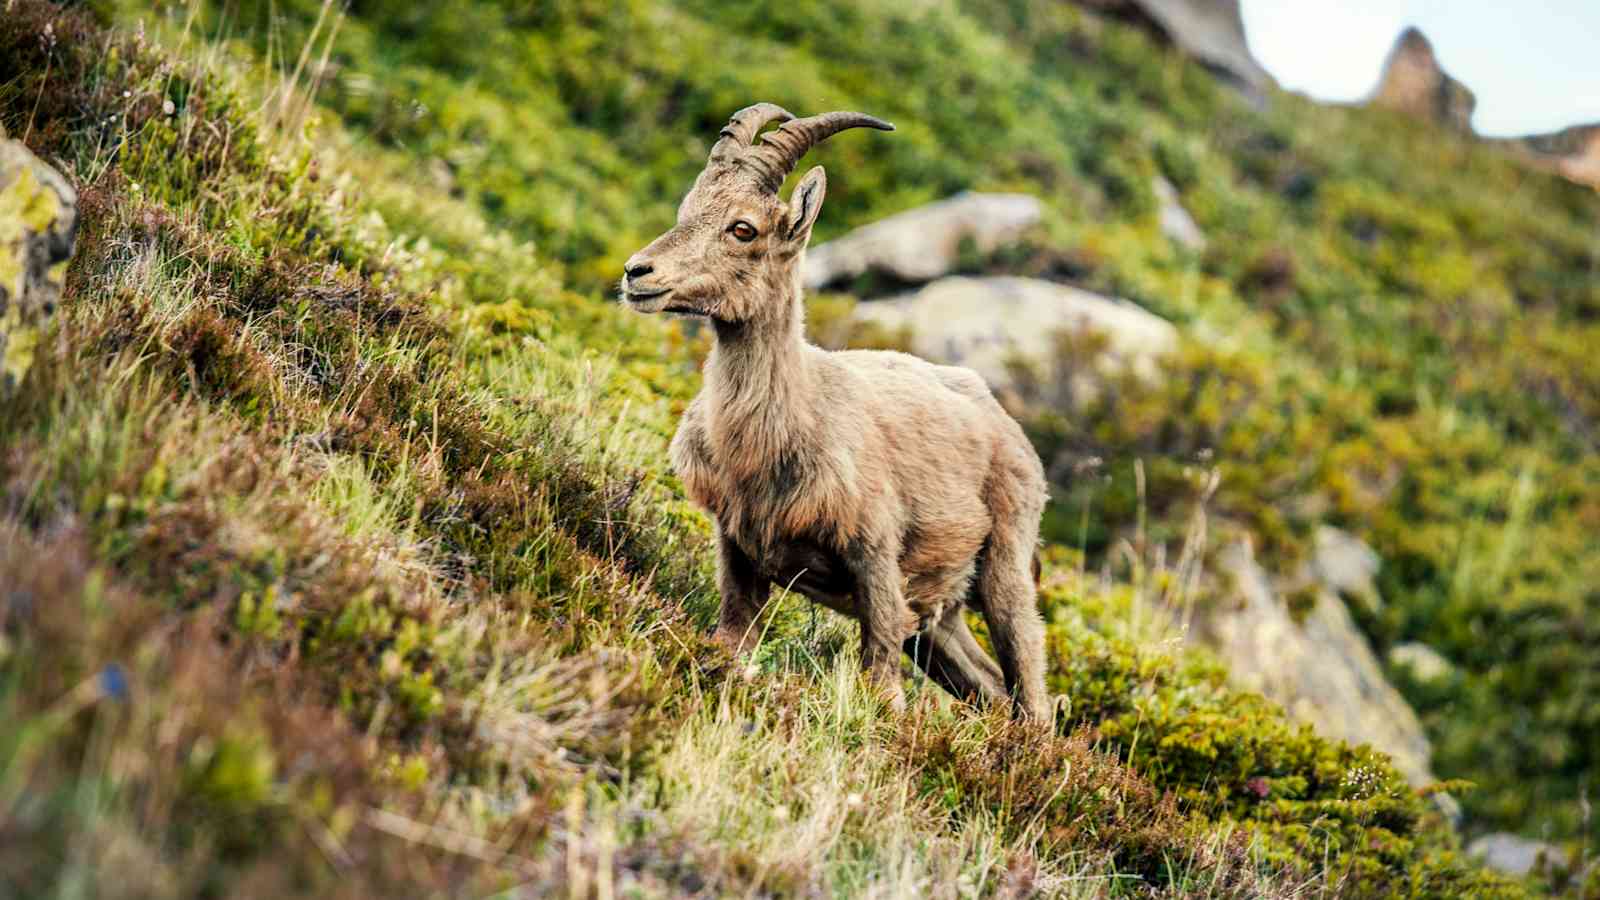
(743, 127)
(781, 150)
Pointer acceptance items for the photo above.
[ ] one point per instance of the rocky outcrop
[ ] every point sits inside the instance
(1573, 153)
(1314, 660)
(38, 223)
(1413, 83)
(925, 243)
(1210, 31)
(991, 324)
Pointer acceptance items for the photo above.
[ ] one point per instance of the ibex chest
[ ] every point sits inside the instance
(783, 519)
(789, 510)
(795, 552)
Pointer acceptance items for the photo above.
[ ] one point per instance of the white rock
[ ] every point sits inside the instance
(1425, 663)
(1514, 854)
(924, 243)
(1321, 668)
(1346, 565)
(988, 323)
(1176, 223)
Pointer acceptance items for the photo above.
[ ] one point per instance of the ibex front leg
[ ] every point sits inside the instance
(886, 621)
(744, 596)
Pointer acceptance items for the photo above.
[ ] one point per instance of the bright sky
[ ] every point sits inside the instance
(1533, 64)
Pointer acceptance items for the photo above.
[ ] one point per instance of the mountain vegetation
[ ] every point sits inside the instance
(339, 553)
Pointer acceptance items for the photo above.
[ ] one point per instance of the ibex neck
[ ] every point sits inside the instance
(759, 380)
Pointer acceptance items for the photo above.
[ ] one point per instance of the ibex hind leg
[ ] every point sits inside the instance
(1007, 594)
(951, 657)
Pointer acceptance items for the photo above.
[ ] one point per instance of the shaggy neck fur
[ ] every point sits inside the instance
(759, 380)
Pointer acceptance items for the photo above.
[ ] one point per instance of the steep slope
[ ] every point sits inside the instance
(1392, 337)
(360, 565)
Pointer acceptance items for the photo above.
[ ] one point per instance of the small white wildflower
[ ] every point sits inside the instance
(853, 800)
(750, 672)
(781, 813)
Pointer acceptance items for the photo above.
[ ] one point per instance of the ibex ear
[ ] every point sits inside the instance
(804, 204)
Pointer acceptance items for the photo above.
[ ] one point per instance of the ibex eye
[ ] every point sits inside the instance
(744, 231)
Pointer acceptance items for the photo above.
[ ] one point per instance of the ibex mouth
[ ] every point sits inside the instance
(641, 296)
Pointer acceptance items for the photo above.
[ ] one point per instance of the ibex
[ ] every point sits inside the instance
(882, 486)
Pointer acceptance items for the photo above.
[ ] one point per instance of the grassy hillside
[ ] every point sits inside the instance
(1390, 332)
(341, 555)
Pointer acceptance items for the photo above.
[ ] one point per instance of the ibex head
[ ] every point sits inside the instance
(735, 240)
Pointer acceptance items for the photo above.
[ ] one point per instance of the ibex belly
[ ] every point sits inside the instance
(814, 571)
(938, 571)
(936, 574)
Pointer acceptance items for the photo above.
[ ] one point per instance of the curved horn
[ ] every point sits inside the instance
(779, 151)
(743, 127)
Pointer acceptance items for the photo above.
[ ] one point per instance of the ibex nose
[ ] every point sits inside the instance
(638, 268)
